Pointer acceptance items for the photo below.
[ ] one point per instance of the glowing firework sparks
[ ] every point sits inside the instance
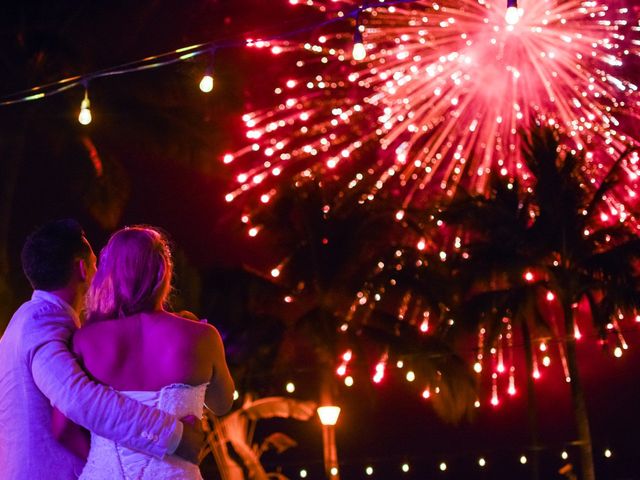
(441, 96)
(435, 101)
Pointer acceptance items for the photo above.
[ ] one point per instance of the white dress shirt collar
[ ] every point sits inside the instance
(53, 298)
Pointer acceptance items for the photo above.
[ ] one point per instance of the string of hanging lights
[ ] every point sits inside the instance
(182, 54)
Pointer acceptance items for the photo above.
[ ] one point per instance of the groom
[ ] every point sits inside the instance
(38, 372)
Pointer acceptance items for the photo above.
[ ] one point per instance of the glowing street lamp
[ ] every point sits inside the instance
(329, 415)
(328, 418)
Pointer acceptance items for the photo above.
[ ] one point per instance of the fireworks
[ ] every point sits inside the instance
(438, 103)
(440, 99)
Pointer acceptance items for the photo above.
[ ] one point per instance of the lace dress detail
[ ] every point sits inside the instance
(110, 461)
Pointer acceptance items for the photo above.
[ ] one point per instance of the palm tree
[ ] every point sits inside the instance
(591, 258)
(410, 311)
(496, 232)
(554, 230)
(332, 251)
(321, 253)
(236, 431)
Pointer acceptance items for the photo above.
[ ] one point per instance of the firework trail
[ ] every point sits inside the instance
(441, 97)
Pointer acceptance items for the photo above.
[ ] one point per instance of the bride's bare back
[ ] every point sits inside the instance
(150, 350)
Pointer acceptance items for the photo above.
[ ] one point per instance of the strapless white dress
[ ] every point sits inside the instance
(110, 461)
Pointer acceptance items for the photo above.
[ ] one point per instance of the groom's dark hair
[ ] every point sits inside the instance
(49, 252)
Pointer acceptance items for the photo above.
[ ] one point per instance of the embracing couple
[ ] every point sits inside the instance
(132, 373)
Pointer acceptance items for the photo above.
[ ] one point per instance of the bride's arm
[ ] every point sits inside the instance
(219, 396)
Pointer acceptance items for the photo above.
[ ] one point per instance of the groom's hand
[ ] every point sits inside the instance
(193, 438)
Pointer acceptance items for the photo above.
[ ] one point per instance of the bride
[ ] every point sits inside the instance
(132, 344)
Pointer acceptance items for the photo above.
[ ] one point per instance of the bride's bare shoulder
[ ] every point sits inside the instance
(186, 323)
(194, 335)
(91, 335)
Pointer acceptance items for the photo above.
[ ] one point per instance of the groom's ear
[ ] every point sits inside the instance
(86, 267)
(80, 266)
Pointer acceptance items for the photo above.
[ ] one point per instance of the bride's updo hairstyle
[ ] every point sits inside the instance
(134, 275)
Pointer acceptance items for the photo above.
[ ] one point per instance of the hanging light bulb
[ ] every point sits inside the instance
(206, 83)
(359, 52)
(512, 15)
(85, 113)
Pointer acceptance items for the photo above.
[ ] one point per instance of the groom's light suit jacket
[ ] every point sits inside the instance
(37, 371)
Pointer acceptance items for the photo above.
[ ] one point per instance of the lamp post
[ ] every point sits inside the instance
(328, 418)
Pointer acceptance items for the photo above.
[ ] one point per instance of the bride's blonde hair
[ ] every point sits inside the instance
(134, 274)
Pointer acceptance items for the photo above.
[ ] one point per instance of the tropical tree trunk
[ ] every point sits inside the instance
(532, 409)
(577, 395)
